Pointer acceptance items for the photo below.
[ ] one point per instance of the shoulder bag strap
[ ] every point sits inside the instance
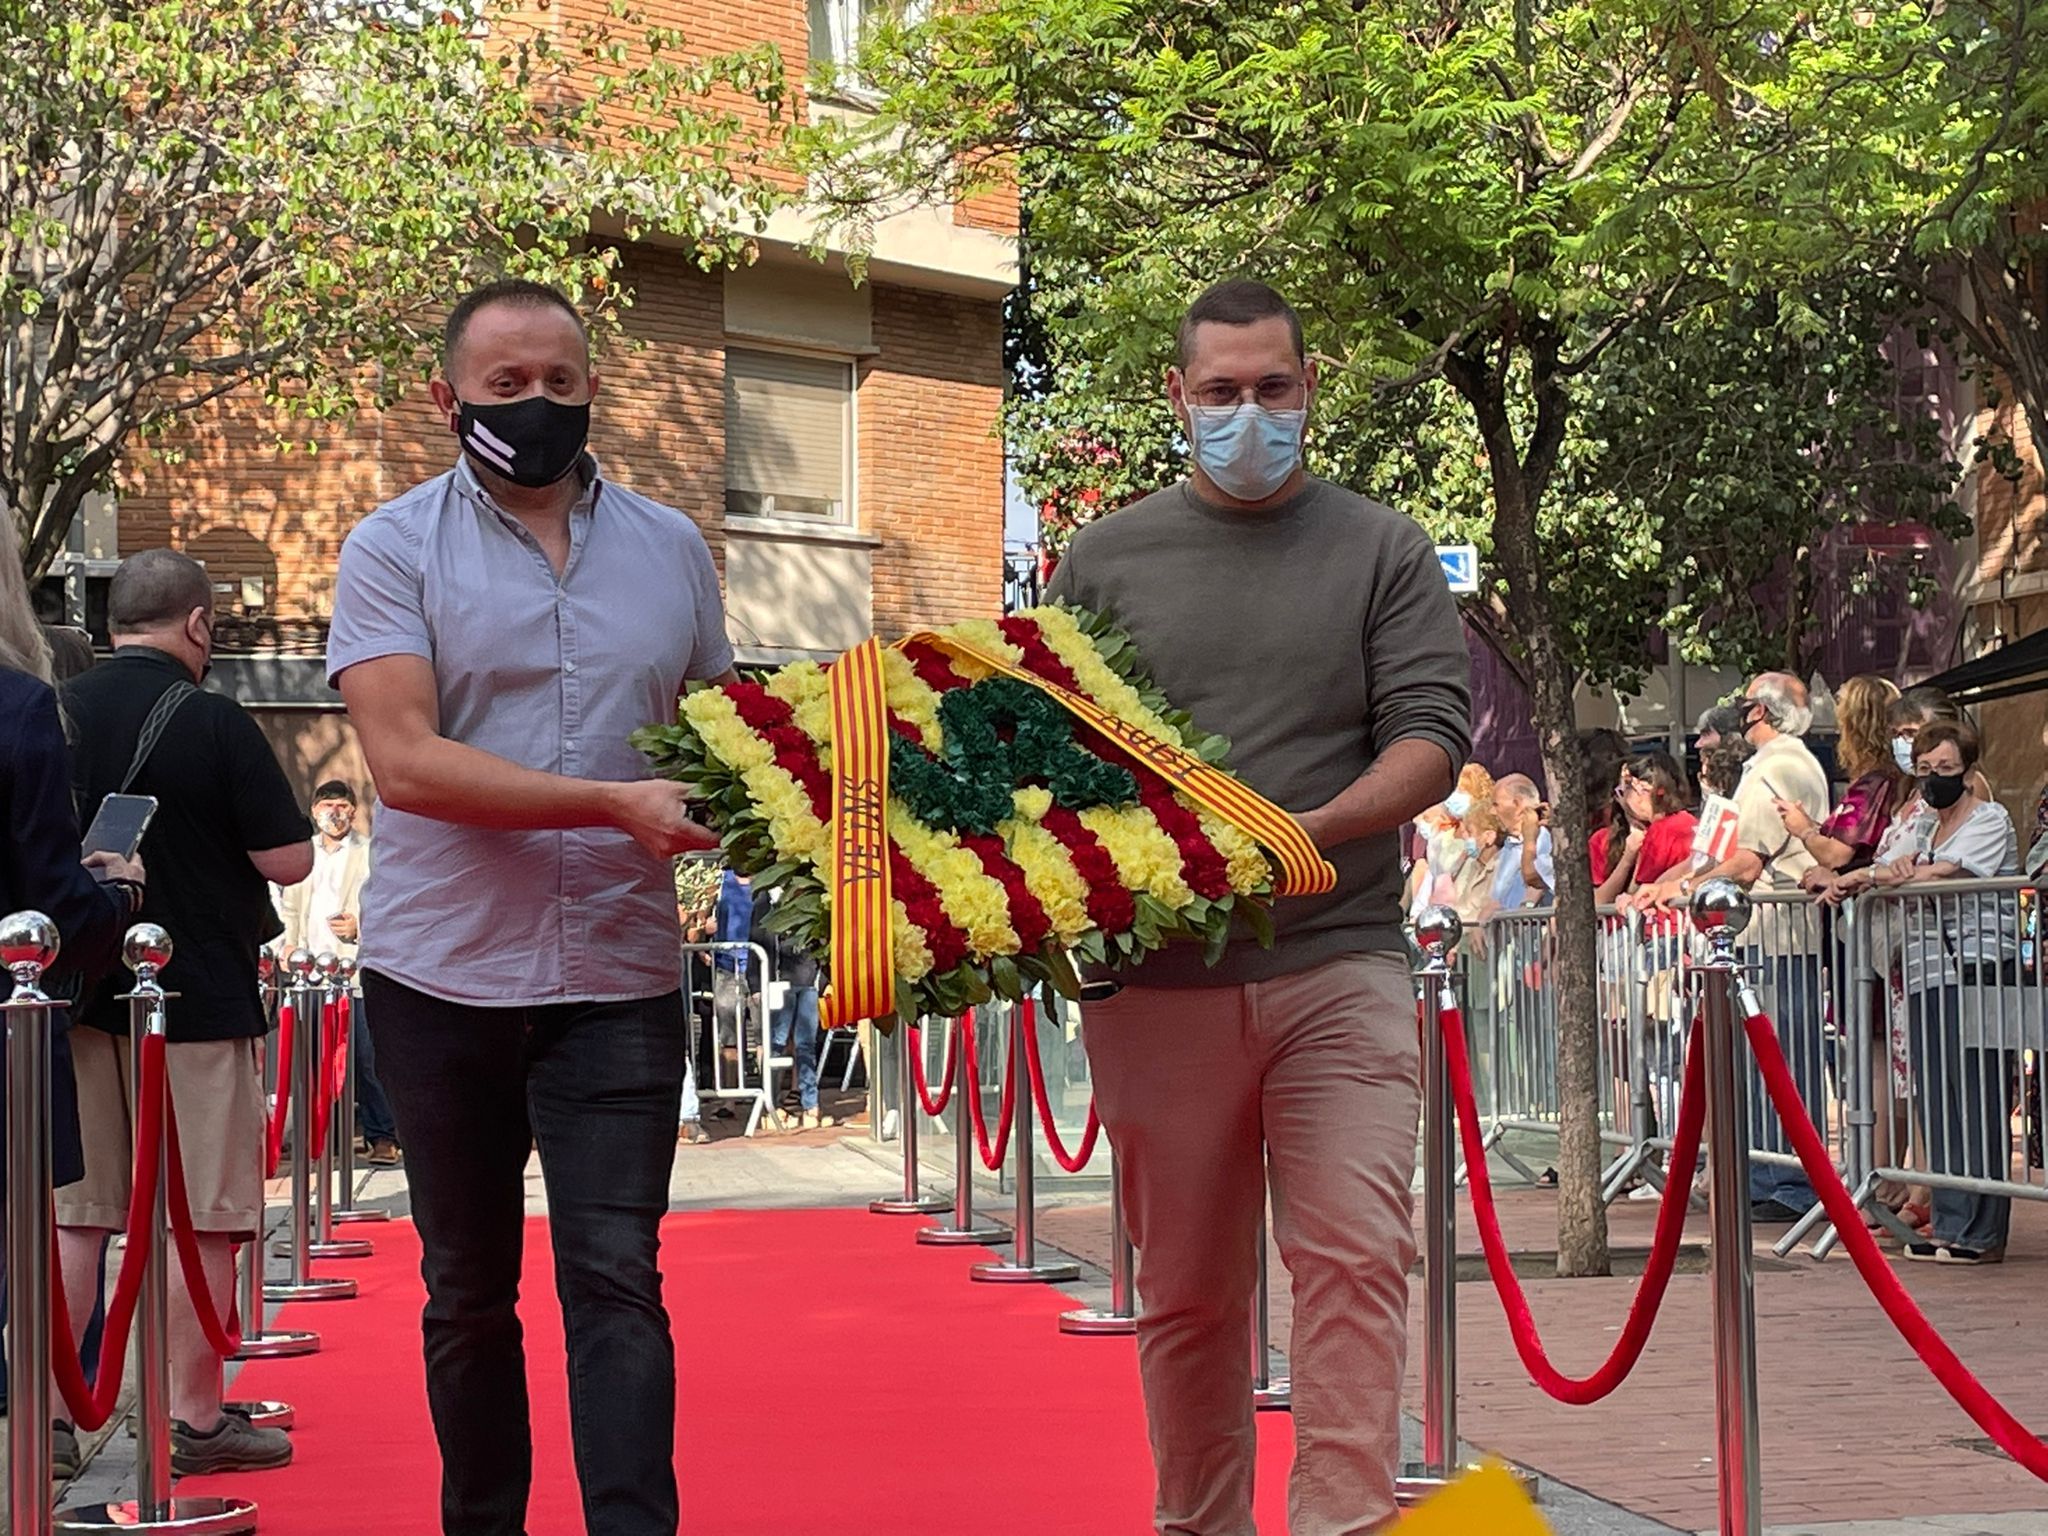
(153, 728)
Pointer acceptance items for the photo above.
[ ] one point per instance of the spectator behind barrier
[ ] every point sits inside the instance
(1877, 789)
(40, 870)
(1603, 755)
(226, 822)
(1526, 875)
(1961, 1087)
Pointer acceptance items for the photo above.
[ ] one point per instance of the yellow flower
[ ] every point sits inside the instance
(1098, 679)
(1049, 873)
(1250, 874)
(973, 898)
(1146, 856)
(912, 698)
(1032, 801)
(728, 738)
(793, 827)
(912, 955)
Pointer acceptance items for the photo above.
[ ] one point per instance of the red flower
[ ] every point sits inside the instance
(1110, 907)
(1027, 914)
(920, 898)
(759, 708)
(930, 665)
(1039, 658)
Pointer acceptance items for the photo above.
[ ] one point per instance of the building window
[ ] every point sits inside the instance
(839, 27)
(788, 435)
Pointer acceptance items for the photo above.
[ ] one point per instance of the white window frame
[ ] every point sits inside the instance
(767, 517)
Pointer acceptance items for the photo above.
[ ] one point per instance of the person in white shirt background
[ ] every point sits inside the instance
(324, 912)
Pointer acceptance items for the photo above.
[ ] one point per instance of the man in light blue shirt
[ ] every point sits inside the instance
(1526, 874)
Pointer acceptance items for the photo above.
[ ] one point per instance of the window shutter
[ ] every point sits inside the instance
(786, 431)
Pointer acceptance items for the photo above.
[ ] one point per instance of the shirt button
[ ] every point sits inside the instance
(568, 666)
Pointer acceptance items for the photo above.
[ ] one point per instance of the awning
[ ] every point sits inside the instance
(2015, 668)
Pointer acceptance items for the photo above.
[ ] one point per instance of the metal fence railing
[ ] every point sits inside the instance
(1914, 1019)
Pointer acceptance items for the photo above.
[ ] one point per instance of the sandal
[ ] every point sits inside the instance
(1548, 1180)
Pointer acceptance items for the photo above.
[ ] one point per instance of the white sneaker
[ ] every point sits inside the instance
(1646, 1192)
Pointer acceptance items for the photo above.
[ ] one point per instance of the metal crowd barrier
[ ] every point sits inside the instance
(756, 1088)
(1914, 1019)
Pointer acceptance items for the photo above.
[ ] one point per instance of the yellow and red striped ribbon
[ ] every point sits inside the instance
(863, 983)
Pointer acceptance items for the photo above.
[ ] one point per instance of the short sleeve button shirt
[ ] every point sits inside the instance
(550, 673)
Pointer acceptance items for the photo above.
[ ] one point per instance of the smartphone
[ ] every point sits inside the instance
(119, 826)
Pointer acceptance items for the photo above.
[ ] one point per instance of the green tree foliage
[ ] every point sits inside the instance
(282, 194)
(1516, 231)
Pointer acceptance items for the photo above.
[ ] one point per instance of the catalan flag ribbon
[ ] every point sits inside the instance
(863, 950)
(863, 984)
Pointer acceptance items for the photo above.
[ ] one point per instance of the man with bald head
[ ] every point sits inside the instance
(1525, 876)
(499, 633)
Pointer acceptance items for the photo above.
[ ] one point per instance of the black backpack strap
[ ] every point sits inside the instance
(153, 728)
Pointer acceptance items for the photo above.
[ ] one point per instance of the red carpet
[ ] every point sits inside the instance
(836, 1379)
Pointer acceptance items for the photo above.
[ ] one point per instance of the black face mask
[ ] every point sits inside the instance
(1941, 790)
(532, 442)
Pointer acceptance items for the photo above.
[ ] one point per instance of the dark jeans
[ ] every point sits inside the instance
(373, 1106)
(1965, 1097)
(597, 1087)
(1793, 1000)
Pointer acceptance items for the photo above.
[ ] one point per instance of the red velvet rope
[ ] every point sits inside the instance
(1073, 1162)
(344, 1040)
(991, 1159)
(1649, 1297)
(1970, 1394)
(91, 1406)
(323, 1078)
(273, 1145)
(936, 1107)
(224, 1339)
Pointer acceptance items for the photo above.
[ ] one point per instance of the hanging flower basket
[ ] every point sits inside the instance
(1008, 795)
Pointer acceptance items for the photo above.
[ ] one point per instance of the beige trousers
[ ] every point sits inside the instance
(1322, 1070)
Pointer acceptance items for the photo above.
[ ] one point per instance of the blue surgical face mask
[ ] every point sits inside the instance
(1458, 804)
(1246, 449)
(1902, 753)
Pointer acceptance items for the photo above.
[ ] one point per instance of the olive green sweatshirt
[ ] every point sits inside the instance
(1314, 635)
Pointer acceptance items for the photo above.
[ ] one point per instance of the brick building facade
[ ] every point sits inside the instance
(836, 443)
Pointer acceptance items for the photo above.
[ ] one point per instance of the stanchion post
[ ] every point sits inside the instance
(1121, 1319)
(1437, 935)
(339, 1123)
(306, 1054)
(1024, 1266)
(258, 1341)
(908, 1111)
(1720, 912)
(28, 948)
(1270, 1394)
(346, 1209)
(963, 1231)
(146, 951)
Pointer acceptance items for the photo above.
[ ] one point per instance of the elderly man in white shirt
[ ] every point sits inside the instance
(1768, 860)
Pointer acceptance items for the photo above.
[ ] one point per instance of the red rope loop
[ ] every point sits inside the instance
(325, 1092)
(1649, 1297)
(936, 1106)
(338, 1049)
(91, 1406)
(1970, 1394)
(280, 1109)
(991, 1157)
(1073, 1162)
(223, 1338)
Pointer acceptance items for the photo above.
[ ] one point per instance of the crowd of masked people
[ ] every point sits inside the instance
(229, 864)
(1907, 804)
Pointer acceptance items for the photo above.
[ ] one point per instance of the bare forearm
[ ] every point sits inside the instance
(450, 781)
(1742, 866)
(1619, 881)
(1829, 852)
(1404, 779)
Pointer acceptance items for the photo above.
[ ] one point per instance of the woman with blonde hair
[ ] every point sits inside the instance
(1877, 789)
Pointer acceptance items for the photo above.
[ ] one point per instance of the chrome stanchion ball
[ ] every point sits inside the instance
(346, 969)
(28, 946)
(327, 964)
(266, 967)
(1437, 932)
(300, 964)
(146, 949)
(1721, 907)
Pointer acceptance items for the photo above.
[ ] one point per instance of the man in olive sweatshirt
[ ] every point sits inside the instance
(1314, 629)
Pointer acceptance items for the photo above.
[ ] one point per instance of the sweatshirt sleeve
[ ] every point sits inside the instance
(1417, 666)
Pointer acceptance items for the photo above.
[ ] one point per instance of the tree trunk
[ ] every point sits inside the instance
(1518, 485)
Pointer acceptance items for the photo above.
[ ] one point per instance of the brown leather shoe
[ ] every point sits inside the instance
(383, 1153)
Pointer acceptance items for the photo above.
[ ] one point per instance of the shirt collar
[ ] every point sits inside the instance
(472, 487)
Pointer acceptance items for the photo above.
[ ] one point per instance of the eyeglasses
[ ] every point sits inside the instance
(1275, 393)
